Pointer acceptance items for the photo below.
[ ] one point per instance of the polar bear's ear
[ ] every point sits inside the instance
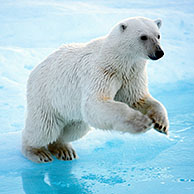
(158, 22)
(123, 27)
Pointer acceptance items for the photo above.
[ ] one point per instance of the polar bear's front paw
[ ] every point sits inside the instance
(62, 151)
(140, 123)
(160, 120)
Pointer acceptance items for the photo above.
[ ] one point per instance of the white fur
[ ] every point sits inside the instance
(95, 83)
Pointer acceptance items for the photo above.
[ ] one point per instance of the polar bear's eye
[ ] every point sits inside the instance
(144, 37)
(159, 36)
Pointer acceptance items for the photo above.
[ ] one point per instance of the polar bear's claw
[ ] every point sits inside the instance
(38, 155)
(62, 151)
(161, 128)
(158, 115)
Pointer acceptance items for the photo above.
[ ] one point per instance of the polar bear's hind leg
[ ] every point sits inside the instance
(38, 155)
(62, 149)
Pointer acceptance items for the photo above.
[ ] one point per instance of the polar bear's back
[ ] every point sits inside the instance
(57, 81)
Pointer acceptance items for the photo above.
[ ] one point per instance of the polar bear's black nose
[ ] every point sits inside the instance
(159, 54)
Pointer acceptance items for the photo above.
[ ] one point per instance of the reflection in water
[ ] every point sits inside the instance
(52, 178)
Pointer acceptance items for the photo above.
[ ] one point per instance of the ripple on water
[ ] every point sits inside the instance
(184, 180)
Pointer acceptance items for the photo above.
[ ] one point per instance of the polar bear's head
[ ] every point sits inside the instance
(138, 37)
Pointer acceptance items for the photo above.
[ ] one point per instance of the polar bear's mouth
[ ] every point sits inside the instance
(152, 57)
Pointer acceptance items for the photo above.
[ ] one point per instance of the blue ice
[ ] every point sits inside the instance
(108, 162)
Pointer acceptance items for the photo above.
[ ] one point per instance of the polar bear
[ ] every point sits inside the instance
(102, 83)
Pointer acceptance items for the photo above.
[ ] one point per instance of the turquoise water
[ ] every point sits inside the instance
(108, 162)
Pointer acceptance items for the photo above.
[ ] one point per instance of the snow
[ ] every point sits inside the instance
(108, 162)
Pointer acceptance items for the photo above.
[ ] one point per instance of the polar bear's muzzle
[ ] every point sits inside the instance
(157, 55)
